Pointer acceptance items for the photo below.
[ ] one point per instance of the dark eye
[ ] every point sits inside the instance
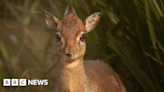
(82, 37)
(58, 38)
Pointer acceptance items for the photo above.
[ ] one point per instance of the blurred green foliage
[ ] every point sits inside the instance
(129, 37)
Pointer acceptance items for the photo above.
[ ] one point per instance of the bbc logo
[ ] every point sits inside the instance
(14, 82)
(24, 82)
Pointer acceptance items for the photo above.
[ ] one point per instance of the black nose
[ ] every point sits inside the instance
(69, 55)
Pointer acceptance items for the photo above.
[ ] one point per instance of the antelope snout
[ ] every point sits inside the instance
(70, 49)
(69, 52)
(68, 55)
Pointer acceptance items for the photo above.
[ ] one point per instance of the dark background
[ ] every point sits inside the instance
(129, 37)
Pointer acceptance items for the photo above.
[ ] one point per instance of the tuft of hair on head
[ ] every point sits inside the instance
(71, 11)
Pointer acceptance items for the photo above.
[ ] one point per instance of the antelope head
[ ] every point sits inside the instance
(70, 33)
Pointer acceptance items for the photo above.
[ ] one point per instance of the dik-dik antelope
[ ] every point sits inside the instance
(76, 75)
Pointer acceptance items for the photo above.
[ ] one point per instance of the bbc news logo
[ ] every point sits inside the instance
(24, 82)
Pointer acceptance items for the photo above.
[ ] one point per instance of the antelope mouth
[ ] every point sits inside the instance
(71, 58)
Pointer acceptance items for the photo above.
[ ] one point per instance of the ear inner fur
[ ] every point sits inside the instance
(50, 20)
(91, 21)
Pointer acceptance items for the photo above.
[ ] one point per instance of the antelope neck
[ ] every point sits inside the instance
(72, 78)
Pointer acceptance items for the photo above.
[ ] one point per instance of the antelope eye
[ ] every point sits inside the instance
(58, 38)
(82, 37)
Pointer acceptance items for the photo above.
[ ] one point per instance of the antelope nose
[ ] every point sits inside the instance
(68, 55)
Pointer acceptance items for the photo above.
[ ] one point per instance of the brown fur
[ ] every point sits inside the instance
(93, 76)
(71, 26)
(76, 75)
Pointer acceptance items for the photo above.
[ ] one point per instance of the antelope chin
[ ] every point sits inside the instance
(73, 57)
(69, 59)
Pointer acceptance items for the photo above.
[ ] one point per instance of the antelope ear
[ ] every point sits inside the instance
(91, 21)
(51, 20)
